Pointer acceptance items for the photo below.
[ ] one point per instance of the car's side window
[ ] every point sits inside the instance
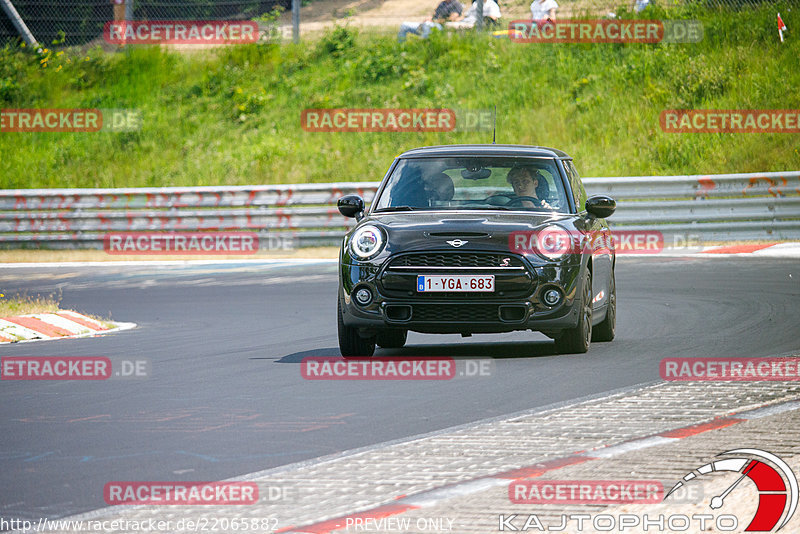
(578, 190)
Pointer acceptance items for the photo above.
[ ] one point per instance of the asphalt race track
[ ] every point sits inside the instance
(226, 396)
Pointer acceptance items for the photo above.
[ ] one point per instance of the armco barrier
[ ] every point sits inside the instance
(708, 207)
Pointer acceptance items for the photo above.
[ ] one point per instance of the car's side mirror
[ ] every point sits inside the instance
(600, 206)
(351, 206)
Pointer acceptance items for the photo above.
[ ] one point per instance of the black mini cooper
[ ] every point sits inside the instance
(477, 239)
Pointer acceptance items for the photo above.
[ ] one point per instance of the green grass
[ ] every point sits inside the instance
(13, 305)
(232, 116)
(24, 304)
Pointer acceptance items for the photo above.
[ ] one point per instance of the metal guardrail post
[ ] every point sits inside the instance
(296, 21)
(19, 24)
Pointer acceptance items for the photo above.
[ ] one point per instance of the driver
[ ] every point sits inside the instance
(525, 180)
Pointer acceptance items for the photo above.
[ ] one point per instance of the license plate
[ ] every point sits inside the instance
(455, 284)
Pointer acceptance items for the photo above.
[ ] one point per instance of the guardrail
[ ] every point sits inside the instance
(709, 207)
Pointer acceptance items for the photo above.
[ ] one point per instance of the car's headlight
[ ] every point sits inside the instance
(366, 242)
(554, 242)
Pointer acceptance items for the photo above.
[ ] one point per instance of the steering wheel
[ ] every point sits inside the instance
(507, 196)
(520, 199)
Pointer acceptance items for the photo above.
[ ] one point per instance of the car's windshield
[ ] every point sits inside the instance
(474, 182)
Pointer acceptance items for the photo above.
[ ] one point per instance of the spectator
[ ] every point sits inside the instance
(447, 10)
(543, 10)
(491, 11)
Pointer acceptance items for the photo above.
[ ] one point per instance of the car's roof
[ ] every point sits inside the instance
(484, 150)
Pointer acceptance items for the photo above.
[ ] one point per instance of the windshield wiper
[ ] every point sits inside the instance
(396, 208)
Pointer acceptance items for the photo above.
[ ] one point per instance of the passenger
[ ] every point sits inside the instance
(440, 188)
(447, 10)
(410, 189)
(525, 182)
(491, 13)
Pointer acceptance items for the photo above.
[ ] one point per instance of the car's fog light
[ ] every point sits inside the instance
(363, 296)
(552, 297)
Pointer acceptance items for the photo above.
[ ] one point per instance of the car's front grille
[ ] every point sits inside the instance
(512, 278)
(456, 260)
(448, 313)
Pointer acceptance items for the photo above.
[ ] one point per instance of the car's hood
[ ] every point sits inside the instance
(476, 230)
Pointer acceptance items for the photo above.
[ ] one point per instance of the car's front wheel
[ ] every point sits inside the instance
(391, 339)
(576, 340)
(351, 344)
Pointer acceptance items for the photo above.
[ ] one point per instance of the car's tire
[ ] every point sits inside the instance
(577, 340)
(391, 338)
(606, 330)
(351, 344)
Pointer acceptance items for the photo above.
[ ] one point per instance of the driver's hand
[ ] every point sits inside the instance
(545, 205)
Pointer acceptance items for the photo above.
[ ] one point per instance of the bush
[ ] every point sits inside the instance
(338, 42)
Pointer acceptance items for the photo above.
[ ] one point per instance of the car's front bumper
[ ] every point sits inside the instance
(516, 304)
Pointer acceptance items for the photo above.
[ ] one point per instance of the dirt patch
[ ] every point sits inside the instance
(386, 16)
